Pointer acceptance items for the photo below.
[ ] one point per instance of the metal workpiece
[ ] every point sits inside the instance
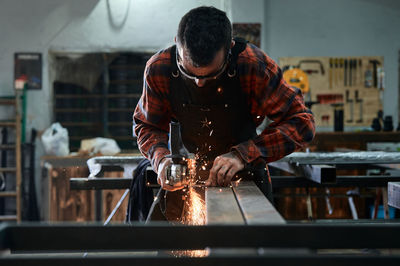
(222, 207)
(153, 236)
(335, 158)
(241, 203)
(100, 164)
(255, 207)
(322, 174)
(394, 194)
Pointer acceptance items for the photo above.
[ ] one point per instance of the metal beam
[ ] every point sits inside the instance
(337, 158)
(276, 258)
(322, 174)
(255, 207)
(277, 182)
(36, 237)
(341, 181)
(221, 206)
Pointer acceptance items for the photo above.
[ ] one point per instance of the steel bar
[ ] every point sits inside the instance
(220, 260)
(255, 207)
(334, 158)
(341, 181)
(322, 174)
(222, 207)
(36, 237)
(79, 183)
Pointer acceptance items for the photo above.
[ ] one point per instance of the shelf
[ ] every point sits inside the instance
(8, 169)
(64, 96)
(7, 124)
(71, 124)
(7, 147)
(122, 138)
(4, 194)
(7, 100)
(121, 109)
(119, 124)
(8, 218)
(123, 67)
(79, 137)
(129, 95)
(76, 110)
(122, 82)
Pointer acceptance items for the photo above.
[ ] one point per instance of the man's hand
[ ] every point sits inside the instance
(224, 168)
(162, 175)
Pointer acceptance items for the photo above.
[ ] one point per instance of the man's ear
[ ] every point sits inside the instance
(175, 39)
(232, 43)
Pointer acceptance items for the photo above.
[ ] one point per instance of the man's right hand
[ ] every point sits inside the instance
(162, 175)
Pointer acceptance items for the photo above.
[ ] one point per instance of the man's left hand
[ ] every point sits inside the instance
(224, 168)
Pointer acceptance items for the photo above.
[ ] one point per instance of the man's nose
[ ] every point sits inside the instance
(200, 82)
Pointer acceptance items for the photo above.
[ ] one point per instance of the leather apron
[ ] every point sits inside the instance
(213, 118)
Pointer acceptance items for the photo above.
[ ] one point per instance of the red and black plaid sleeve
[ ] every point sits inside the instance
(270, 96)
(153, 111)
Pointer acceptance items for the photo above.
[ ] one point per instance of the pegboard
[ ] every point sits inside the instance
(349, 83)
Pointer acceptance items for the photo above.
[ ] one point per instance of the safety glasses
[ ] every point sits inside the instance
(207, 77)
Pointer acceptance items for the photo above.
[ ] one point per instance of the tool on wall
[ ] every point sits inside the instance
(341, 69)
(360, 72)
(345, 71)
(330, 72)
(360, 102)
(351, 65)
(336, 63)
(375, 64)
(350, 101)
(296, 77)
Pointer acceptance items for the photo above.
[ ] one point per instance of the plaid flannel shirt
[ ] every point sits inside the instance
(268, 95)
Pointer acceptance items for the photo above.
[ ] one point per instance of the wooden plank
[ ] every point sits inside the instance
(222, 207)
(4, 194)
(255, 207)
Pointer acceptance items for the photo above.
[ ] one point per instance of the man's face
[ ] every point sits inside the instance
(200, 75)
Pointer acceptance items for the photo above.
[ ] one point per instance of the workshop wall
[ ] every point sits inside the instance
(339, 28)
(91, 26)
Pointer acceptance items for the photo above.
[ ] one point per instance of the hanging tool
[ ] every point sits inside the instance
(351, 65)
(341, 69)
(296, 77)
(360, 75)
(360, 102)
(321, 66)
(375, 64)
(346, 63)
(350, 101)
(355, 70)
(330, 72)
(336, 64)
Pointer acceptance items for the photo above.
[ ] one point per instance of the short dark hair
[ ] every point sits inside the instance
(203, 31)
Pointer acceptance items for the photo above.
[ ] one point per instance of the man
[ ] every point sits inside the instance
(219, 89)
